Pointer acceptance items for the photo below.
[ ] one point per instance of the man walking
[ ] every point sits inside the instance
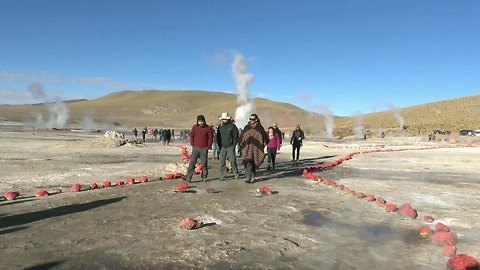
(297, 141)
(252, 142)
(227, 137)
(201, 139)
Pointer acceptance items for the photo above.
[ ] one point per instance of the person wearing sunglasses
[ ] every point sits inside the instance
(252, 142)
(201, 139)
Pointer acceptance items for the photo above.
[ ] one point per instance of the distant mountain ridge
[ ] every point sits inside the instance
(178, 109)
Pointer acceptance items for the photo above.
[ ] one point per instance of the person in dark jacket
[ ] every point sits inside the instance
(227, 136)
(252, 142)
(296, 141)
(144, 134)
(201, 138)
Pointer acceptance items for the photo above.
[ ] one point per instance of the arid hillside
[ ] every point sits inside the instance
(153, 108)
(178, 109)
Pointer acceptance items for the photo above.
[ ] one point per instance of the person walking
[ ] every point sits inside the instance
(296, 141)
(278, 131)
(215, 150)
(135, 133)
(227, 136)
(252, 142)
(144, 134)
(201, 139)
(272, 147)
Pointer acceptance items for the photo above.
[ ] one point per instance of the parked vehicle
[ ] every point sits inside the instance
(467, 132)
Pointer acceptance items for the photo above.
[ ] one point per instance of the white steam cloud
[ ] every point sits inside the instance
(242, 80)
(358, 126)
(398, 116)
(328, 119)
(57, 110)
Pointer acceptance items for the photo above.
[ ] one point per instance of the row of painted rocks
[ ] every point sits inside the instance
(440, 235)
(12, 195)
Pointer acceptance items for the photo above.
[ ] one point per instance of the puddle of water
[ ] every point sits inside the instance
(312, 219)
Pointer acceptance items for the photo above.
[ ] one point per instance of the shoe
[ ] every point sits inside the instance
(268, 167)
(204, 179)
(292, 160)
(237, 176)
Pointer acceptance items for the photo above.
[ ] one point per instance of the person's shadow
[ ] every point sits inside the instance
(25, 218)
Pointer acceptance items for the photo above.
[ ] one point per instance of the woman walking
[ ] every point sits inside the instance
(272, 147)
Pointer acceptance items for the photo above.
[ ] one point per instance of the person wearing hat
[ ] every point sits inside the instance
(201, 138)
(227, 137)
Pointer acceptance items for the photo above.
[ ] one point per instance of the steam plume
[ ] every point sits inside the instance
(328, 120)
(358, 127)
(57, 110)
(398, 116)
(242, 80)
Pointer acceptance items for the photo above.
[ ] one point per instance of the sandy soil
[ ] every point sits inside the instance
(304, 225)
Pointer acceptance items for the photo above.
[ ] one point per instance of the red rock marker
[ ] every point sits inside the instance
(120, 183)
(359, 195)
(190, 224)
(168, 176)
(369, 198)
(440, 227)
(106, 184)
(443, 238)
(130, 181)
(143, 179)
(210, 190)
(425, 231)
(390, 207)
(407, 211)
(41, 193)
(181, 187)
(58, 190)
(264, 190)
(11, 195)
(428, 219)
(75, 188)
(462, 262)
(93, 186)
(449, 250)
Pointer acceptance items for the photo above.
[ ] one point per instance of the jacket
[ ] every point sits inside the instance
(201, 136)
(227, 135)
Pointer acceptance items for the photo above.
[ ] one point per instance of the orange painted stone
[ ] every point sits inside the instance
(130, 181)
(106, 184)
(75, 188)
(41, 193)
(462, 262)
(11, 195)
(93, 186)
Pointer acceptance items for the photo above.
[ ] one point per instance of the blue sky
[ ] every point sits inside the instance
(347, 56)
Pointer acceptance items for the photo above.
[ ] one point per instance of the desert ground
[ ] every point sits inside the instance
(302, 225)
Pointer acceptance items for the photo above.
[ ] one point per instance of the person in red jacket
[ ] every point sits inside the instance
(201, 139)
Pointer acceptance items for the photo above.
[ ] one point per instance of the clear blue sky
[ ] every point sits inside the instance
(348, 56)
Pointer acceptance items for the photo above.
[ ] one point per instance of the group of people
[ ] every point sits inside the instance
(165, 135)
(251, 140)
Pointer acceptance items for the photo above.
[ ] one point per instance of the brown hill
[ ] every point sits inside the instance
(178, 109)
(154, 108)
(452, 114)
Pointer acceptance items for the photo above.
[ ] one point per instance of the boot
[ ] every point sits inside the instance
(268, 166)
